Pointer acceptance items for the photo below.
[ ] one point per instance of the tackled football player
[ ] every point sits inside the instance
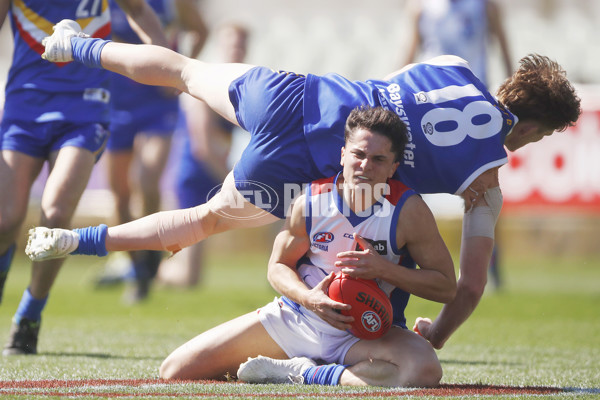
(334, 226)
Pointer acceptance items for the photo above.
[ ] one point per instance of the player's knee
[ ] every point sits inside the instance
(56, 217)
(169, 369)
(423, 370)
(427, 374)
(10, 225)
(417, 367)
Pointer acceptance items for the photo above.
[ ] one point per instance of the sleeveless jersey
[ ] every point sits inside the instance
(456, 128)
(330, 225)
(43, 91)
(456, 27)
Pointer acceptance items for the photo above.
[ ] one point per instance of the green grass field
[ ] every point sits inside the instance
(541, 329)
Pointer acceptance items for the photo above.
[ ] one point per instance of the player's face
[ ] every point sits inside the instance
(531, 133)
(367, 158)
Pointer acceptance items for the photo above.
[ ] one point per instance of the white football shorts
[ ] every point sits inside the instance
(301, 333)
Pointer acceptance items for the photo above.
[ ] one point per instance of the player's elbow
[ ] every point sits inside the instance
(274, 277)
(447, 293)
(471, 289)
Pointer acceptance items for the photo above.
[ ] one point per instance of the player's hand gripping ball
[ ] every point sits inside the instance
(371, 307)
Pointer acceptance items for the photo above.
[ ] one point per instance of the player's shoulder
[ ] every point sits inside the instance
(398, 192)
(448, 60)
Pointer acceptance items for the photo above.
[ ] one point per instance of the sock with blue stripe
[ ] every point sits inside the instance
(88, 50)
(324, 374)
(30, 307)
(92, 241)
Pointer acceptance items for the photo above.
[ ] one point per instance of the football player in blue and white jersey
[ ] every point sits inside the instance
(465, 28)
(457, 134)
(55, 113)
(358, 207)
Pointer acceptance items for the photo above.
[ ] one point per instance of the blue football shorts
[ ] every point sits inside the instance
(194, 184)
(39, 139)
(269, 105)
(126, 124)
(137, 108)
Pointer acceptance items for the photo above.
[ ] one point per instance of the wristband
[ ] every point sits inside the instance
(92, 241)
(88, 50)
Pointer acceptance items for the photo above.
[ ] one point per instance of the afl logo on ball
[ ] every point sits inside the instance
(371, 321)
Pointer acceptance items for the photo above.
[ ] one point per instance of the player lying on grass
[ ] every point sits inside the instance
(304, 323)
(456, 136)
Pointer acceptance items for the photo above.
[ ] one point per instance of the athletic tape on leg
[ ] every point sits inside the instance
(180, 228)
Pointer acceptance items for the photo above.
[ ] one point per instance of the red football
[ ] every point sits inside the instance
(371, 307)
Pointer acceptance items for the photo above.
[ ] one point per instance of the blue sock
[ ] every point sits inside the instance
(87, 50)
(92, 241)
(324, 374)
(30, 307)
(6, 258)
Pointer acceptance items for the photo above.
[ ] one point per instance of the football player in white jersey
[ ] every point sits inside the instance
(296, 126)
(303, 325)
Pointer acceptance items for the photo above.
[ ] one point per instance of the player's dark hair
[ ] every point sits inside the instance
(540, 91)
(381, 121)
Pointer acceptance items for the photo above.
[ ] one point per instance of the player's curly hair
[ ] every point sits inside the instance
(384, 122)
(540, 91)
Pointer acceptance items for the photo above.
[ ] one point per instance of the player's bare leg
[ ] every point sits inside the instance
(70, 169)
(399, 358)
(17, 173)
(219, 351)
(70, 172)
(154, 65)
(174, 230)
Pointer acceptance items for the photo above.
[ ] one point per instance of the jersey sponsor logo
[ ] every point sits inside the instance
(380, 246)
(392, 92)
